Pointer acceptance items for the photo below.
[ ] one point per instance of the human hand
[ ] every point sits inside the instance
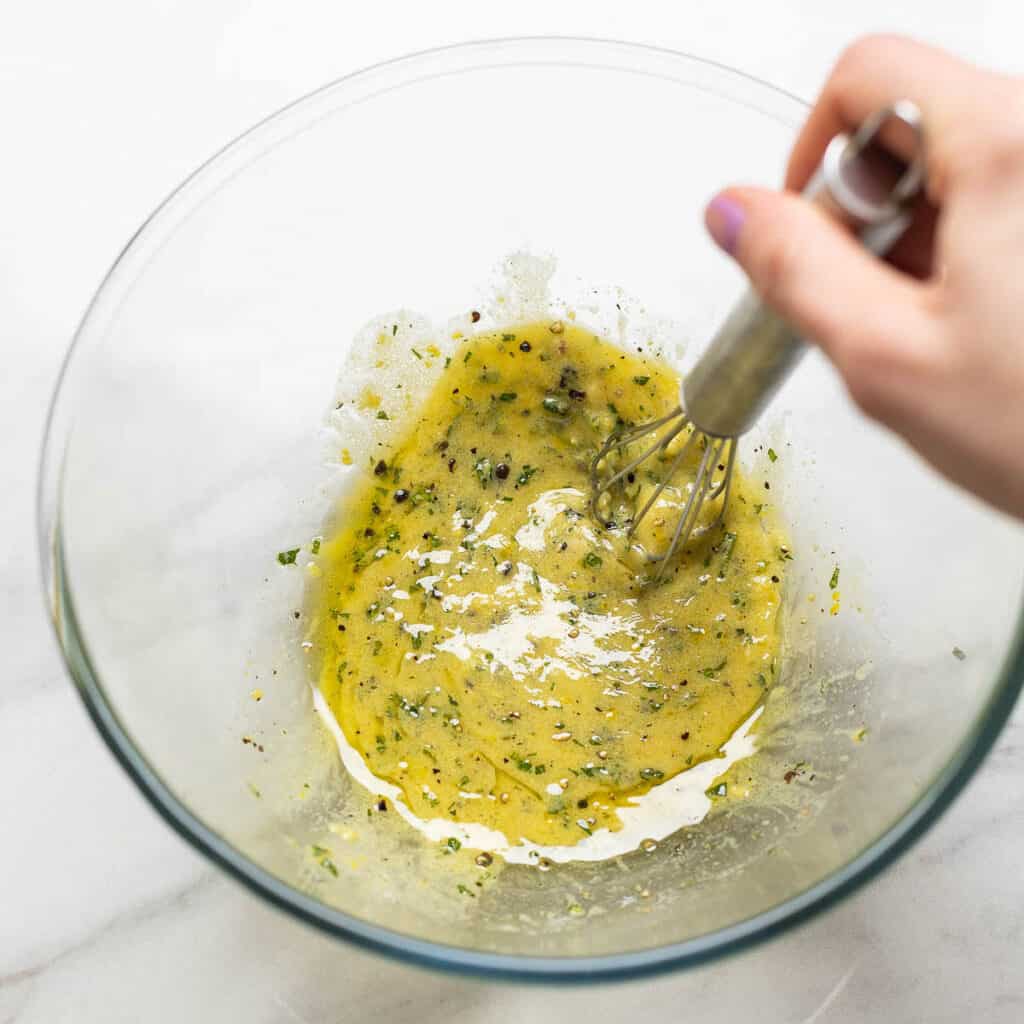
(930, 343)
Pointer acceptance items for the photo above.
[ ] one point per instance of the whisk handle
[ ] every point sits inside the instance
(861, 184)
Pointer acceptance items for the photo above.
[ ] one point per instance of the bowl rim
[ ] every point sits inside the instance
(931, 803)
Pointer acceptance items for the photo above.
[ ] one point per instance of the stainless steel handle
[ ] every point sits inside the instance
(862, 185)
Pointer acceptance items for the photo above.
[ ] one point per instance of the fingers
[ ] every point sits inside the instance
(877, 71)
(818, 277)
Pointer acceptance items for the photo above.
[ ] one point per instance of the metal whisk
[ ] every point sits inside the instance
(862, 185)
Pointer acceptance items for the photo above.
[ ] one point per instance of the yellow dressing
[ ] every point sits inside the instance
(491, 651)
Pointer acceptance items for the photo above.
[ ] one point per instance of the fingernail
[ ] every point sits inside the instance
(724, 220)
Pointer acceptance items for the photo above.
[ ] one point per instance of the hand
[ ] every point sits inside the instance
(930, 343)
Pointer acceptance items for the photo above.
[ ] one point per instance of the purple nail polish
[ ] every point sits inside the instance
(724, 219)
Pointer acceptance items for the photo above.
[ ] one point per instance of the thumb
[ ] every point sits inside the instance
(815, 274)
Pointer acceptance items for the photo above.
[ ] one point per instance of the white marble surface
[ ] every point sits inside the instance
(107, 916)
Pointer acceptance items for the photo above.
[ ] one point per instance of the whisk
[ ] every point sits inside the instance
(865, 187)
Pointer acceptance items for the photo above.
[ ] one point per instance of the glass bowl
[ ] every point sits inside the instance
(186, 448)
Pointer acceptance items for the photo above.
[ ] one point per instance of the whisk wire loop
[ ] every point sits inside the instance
(718, 455)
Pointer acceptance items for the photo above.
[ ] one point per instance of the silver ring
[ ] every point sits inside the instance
(908, 113)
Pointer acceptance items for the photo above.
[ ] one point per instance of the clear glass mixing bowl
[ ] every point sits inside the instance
(185, 450)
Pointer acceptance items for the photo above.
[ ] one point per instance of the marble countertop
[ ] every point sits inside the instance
(105, 915)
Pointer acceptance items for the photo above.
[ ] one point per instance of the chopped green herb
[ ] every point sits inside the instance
(728, 543)
(556, 404)
(834, 581)
(508, 337)
(415, 353)
(717, 791)
(484, 469)
(422, 494)
(641, 381)
(453, 844)
(382, 415)
(525, 474)
(323, 857)
(315, 546)
(959, 654)
(712, 671)
(508, 396)
(592, 561)
(651, 773)
(403, 704)
(771, 454)
(288, 557)
(465, 891)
